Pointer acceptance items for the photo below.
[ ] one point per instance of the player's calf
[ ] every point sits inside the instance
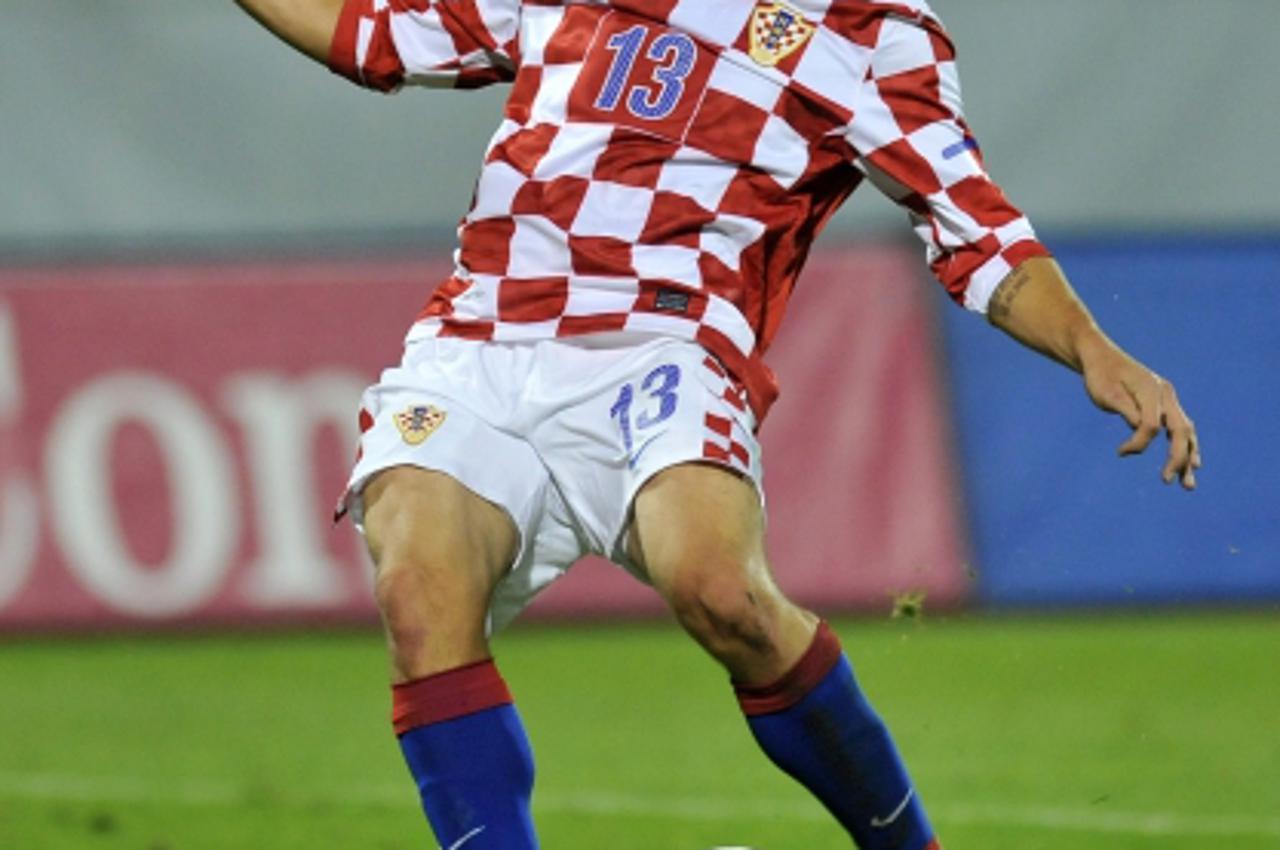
(699, 532)
(440, 551)
(815, 724)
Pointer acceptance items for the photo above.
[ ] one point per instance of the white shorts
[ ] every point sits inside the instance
(561, 434)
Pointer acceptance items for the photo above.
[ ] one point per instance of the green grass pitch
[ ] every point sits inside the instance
(1061, 733)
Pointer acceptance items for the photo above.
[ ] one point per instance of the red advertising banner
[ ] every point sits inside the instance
(173, 439)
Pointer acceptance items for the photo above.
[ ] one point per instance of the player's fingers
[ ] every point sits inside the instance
(1193, 436)
(1178, 463)
(1146, 397)
(1184, 449)
(1189, 476)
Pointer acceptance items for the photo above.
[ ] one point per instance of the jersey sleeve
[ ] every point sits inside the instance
(387, 44)
(911, 140)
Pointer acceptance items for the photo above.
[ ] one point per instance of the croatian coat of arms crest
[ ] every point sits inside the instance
(777, 31)
(419, 421)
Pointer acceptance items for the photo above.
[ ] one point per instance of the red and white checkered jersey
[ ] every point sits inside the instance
(663, 166)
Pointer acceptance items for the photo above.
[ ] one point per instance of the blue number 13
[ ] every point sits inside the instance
(675, 54)
(660, 385)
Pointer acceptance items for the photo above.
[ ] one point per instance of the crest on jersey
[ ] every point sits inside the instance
(777, 31)
(419, 421)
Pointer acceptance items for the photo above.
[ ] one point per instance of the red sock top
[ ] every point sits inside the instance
(448, 695)
(796, 683)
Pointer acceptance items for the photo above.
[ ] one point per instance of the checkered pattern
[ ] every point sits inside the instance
(649, 175)
(725, 441)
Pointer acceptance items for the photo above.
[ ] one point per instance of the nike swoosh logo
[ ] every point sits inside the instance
(464, 839)
(967, 144)
(635, 456)
(881, 823)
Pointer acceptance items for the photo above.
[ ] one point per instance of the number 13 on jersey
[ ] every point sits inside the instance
(640, 75)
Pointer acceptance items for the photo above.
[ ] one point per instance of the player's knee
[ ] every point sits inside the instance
(724, 611)
(433, 620)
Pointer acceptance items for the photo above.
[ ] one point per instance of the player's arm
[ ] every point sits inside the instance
(981, 247)
(1037, 306)
(307, 25)
(389, 44)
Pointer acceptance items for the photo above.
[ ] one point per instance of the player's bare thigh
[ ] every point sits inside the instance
(439, 550)
(698, 530)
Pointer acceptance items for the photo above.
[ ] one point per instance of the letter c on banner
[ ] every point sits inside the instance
(200, 466)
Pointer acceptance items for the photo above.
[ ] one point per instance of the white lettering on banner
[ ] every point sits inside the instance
(200, 467)
(10, 369)
(19, 534)
(19, 528)
(280, 419)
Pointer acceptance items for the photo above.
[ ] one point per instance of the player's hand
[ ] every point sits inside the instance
(1119, 384)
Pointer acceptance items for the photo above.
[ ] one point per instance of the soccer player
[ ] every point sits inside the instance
(590, 378)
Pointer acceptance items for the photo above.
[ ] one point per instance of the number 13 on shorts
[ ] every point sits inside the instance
(638, 409)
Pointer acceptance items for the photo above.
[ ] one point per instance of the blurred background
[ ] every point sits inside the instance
(209, 246)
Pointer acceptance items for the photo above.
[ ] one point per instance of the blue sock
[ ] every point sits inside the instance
(816, 725)
(468, 753)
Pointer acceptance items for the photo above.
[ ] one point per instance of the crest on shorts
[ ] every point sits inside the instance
(419, 421)
(777, 31)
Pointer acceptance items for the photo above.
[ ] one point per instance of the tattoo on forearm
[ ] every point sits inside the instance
(1002, 299)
